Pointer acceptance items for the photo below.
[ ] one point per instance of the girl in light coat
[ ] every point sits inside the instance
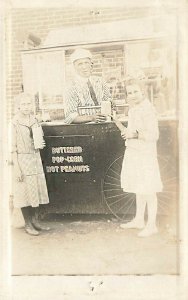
(29, 184)
(140, 170)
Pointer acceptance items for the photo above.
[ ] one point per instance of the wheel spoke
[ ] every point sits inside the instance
(121, 203)
(132, 202)
(115, 172)
(112, 177)
(111, 184)
(129, 200)
(118, 165)
(126, 202)
(114, 196)
(109, 190)
(126, 196)
(116, 201)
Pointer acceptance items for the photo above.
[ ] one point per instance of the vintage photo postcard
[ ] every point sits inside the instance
(94, 141)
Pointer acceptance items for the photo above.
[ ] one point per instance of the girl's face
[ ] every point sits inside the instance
(134, 94)
(26, 106)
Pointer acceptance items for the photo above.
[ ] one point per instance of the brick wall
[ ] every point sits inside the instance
(41, 21)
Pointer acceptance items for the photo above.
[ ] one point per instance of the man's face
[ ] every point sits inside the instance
(83, 67)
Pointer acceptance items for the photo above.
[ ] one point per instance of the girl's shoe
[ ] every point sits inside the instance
(30, 230)
(134, 224)
(148, 231)
(39, 226)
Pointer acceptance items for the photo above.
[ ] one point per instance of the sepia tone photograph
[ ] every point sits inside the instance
(93, 112)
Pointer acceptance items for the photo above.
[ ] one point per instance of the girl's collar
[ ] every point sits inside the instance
(141, 104)
(30, 121)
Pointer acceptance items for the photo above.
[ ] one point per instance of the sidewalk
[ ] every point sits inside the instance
(92, 245)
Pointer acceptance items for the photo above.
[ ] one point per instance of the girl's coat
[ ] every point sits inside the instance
(140, 170)
(32, 191)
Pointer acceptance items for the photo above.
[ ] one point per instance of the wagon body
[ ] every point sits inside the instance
(77, 159)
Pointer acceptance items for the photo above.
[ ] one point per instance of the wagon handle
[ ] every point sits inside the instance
(118, 123)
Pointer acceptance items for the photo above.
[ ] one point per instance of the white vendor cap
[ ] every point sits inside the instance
(79, 54)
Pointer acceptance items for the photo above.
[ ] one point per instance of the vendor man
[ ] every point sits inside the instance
(85, 90)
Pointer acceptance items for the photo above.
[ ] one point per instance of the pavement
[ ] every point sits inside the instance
(92, 245)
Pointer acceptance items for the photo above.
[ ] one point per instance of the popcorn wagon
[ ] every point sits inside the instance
(82, 162)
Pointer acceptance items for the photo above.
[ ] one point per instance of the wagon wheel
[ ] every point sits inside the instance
(122, 205)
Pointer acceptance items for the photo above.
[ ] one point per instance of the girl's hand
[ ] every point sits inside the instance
(18, 174)
(43, 144)
(126, 134)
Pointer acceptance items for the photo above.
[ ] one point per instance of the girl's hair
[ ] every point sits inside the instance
(18, 98)
(140, 81)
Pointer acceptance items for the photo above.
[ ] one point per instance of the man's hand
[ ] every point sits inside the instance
(91, 118)
(99, 118)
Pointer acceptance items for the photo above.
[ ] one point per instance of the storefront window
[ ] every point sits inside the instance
(47, 73)
(43, 76)
(156, 62)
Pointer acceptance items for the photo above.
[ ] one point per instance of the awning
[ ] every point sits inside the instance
(112, 31)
